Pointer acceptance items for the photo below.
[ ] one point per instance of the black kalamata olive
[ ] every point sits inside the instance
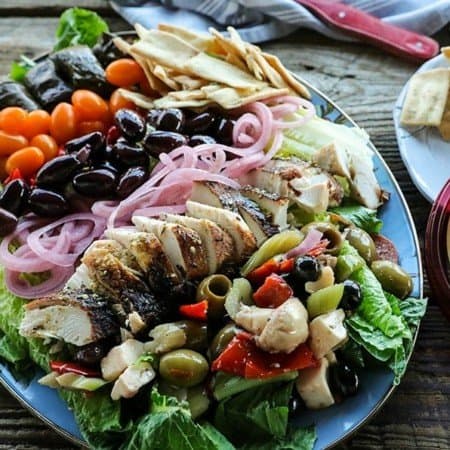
(351, 298)
(171, 119)
(153, 117)
(306, 268)
(199, 139)
(158, 142)
(8, 222)
(129, 155)
(95, 140)
(224, 131)
(199, 123)
(130, 124)
(58, 170)
(47, 203)
(344, 380)
(90, 354)
(95, 183)
(295, 402)
(76, 201)
(108, 165)
(130, 181)
(14, 197)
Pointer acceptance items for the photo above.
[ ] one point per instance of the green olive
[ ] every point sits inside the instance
(330, 232)
(362, 242)
(214, 289)
(221, 340)
(196, 334)
(183, 367)
(393, 278)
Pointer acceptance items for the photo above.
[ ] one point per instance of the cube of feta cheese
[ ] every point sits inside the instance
(120, 357)
(312, 386)
(327, 332)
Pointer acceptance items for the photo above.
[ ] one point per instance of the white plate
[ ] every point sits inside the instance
(425, 154)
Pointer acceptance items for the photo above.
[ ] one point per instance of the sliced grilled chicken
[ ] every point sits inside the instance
(364, 186)
(244, 240)
(310, 187)
(80, 278)
(182, 245)
(275, 205)
(147, 249)
(132, 300)
(218, 243)
(78, 317)
(221, 196)
(333, 159)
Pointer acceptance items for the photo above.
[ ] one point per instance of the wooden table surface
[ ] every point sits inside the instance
(365, 82)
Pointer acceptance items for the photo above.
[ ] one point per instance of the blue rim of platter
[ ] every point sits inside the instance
(333, 424)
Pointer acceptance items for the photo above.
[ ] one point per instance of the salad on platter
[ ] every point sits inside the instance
(188, 251)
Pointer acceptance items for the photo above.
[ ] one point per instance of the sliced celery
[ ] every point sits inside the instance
(324, 300)
(239, 294)
(80, 382)
(347, 264)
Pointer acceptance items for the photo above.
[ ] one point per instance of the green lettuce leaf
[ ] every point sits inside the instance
(296, 439)
(261, 413)
(169, 425)
(20, 68)
(360, 216)
(78, 26)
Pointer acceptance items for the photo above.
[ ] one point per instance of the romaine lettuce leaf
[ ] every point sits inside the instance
(169, 425)
(261, 412)
(360, 216)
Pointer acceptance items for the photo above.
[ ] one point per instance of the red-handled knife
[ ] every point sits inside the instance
(368, 28)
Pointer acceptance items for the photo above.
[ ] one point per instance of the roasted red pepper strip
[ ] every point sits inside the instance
(197, 311)
(15, 175)
(70, 367)
(258, 275)
(243, 358)
(319, 248)
(273, 293)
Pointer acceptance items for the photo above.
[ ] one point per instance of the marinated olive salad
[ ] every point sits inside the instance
(186, 245)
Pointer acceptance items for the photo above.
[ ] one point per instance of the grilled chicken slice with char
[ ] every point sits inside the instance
(309, 187)
(218, 243)
(132, 300)
(78, 317)
(221, 196)
(182, 245)
(243, 238)
(273, 204)
(147, 249)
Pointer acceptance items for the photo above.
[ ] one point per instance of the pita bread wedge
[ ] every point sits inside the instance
(426, 98)
(444, 126)
(168, 102)
(196, 94)
(201, 42)
(286, 75)
(215, 69)
(163, 74)
(122, 45)
(138, 99)
(189, 83)
(446, 52)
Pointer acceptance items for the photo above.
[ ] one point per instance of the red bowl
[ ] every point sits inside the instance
(437, 249)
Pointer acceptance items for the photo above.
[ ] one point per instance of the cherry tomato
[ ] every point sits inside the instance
(9, 143)
(28, 160)
(46, 144)
(124, 72)
(117, 101)
(89, 106)
(63, 123)
(90, 126)
(12, 119)
(37, 122)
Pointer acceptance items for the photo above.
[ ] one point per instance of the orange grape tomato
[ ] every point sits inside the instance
(90, 126)
(146, 89)
(63, 123)
(117, 101)
(124, 72)
(46, 144)
(3, 173)
(37, 122)
(28, 160)
(9, 143)
(89, 106)
(12, 119)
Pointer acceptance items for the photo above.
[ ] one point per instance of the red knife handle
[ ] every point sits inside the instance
(373, 30)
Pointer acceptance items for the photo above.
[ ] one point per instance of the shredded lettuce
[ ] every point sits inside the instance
(78, 26)
(360, 216)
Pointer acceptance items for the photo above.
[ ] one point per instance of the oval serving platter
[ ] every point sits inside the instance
(333, 424)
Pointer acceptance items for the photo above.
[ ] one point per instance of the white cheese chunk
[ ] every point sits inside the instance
(327, 332)
(120, 357)
(312, 386)
(130, 381)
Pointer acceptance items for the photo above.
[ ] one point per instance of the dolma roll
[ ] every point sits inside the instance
(80, 67)
(106, 51)
(16, 94)
(46, 86)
